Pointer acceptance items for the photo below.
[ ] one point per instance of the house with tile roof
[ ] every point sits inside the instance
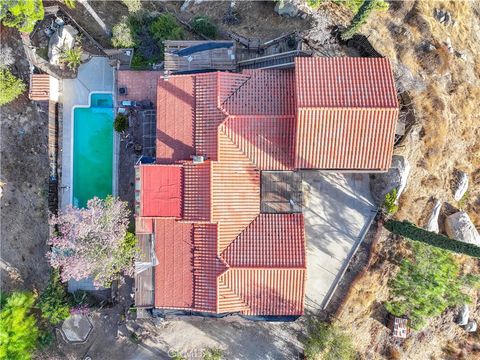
(214, 248)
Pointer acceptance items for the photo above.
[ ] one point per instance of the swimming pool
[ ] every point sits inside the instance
(93, 149)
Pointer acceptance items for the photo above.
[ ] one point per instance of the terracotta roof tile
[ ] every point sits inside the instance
(271, 240)
(175, 114)
(266, 140)
(39, 87)
(197, 191)
(265, 291)
(235, 191)
(347, 113)
(207, 266)
(267, 92)
(207, 115)
(345, 138)
(174, 272)
(341, 82)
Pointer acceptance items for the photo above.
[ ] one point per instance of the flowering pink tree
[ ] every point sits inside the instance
(93, 242)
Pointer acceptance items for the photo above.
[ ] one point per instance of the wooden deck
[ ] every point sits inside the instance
(281, 192)
(212, 59)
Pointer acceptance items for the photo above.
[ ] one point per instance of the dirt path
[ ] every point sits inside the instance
(24, 169)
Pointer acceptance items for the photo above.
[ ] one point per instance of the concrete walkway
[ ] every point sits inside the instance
(338, 209)
(95, 75)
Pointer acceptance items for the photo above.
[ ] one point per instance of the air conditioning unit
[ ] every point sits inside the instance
(198, 159)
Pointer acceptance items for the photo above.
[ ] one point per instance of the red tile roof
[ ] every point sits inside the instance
(175, 114)
(347, 113)
(161, 191)
(344, 82)
(265, 139)
(174, 272)
(197, 191)
(271, 240)
(223, 255)
(39, 87)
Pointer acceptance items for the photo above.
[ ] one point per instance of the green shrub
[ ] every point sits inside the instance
(365, 8)
(133, 5)
(122, 35)
(70, 3)
(72, 57)
(18, 327)
(53, 302)
(121, 123)
(21, 14)
(390, 202)
(426, 285)
(203, 25)
(165, 27)
(354, 5)
(176, 355)
(412, 232)
(10, 86)
(327, 342)
(212, 354)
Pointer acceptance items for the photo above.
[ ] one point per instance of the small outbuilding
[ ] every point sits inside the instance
(191, 56)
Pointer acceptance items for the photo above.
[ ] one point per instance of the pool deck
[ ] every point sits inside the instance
(95, 75)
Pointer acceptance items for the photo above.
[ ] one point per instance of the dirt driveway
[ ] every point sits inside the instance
(338, 209)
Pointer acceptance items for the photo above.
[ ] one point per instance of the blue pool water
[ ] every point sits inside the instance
(93, 150)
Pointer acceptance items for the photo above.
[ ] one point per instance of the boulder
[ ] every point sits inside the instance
(459, 227)
(443, 17)
(432, 224)
(460, 186)
(463, 315)
(396, 177)
(287, 8)
(471, 326)
(63, 38)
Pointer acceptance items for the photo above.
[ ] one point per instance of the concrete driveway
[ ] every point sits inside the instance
(338, 210)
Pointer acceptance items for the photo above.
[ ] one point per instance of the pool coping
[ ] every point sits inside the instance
(114, 143)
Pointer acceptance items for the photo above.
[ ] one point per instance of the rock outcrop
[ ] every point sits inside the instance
(287, 8)
(471, 326)
(432, 224)
(460, 186)
(460, 227)
(463, 315)
(382, 183)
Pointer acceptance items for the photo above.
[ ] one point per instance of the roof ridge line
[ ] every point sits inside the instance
(221, 282)
(220, 105)
(234, 144)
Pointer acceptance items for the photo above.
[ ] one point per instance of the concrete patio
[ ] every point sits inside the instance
(95, 75)
(338, 210)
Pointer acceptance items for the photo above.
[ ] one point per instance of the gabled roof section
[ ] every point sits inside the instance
(344, 82)
(161, 191)
(267, 140)
(347, 113)
(262, 291)
(175, 116)
(267, 92)
(235, 191)
(271, 240)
